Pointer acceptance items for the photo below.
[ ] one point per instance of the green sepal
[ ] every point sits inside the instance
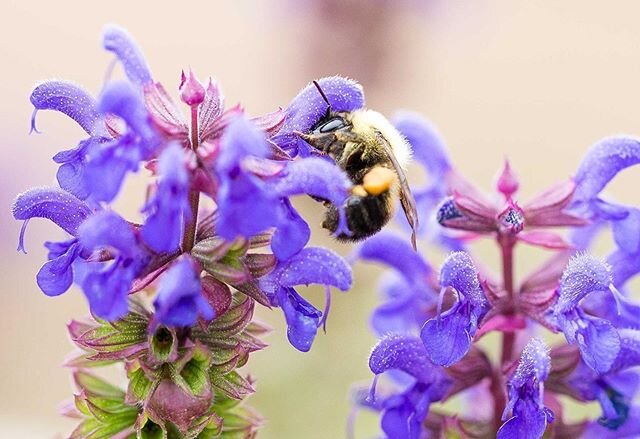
(229, 270)
(192, 372)
(94, 385)
(195, 372)
(163, 345)
(151, 430)
(111, 340)
(140, 386)
(102, 423)
(210, 250)
(260, 264)
(231, 384)
(83, 360)
(252, 290)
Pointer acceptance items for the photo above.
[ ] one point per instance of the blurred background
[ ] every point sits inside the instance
(538, 82)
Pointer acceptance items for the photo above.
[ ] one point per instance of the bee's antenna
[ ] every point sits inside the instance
(324, 96)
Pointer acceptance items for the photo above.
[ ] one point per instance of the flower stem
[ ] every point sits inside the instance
(194, 195)
(506, 243)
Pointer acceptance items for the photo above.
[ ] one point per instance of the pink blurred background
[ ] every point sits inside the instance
(535, 81)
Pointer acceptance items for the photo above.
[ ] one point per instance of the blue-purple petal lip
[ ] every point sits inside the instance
(315, 265)
(428, 146)
(117, 40)
(394, 250)
(71, 100)
(601, 163)
(52, 203)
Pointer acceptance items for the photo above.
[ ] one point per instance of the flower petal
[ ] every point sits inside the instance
(241, 138)
(302, 319)
(626, 232)
(54, 204)
(584, 274)
(121, 99)
(316, 177)
(71, 100)
(429, 149)
(602, 162)
(106, 289)
(308, 107)
(599, 344)
(291, 235)
(107, 229)
(56, 276)
(314, 265)
(529, 426)
(179, 300)
(459, 272)
(405, 353)
(625, 266)
(396, 252)
(446, 338)
(117, 40)
(169, 208)
(246, 207)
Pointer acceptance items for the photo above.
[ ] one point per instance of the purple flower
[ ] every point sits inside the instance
(308, 107)
(318, 178)
(246, 204)
(68, 212)
(601, 163)
(179, 300)
(76, 103)
(108, 163)
(597, 339)
(311, 265)
(447, 337)
(408, 292)
(169, 207)
(107, 283)
(529, 417)
(629, 430)
(613, 390)
(117, 40)
(404, 412)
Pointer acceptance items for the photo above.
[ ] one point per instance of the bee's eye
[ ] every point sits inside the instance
(333, 124)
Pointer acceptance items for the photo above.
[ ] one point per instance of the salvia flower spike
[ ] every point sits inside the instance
(430, 323)
(172, 297)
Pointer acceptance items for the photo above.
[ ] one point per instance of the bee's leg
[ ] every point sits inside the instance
(322, 141)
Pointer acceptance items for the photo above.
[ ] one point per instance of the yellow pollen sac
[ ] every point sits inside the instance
(378, 180)
(359, 191)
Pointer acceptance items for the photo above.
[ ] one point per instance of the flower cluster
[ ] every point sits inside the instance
(200, 269)
(430, 322)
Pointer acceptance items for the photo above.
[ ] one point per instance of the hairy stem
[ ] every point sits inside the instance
(194, 196)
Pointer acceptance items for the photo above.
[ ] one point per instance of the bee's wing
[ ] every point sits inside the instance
(406, 197)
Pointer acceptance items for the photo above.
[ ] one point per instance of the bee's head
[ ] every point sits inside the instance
(331, 121)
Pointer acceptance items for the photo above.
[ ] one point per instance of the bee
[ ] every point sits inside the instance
(374, 155)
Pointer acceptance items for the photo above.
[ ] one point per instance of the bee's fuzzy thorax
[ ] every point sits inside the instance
(364, 120)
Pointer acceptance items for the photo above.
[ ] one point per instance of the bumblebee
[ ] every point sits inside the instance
(374, 155)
